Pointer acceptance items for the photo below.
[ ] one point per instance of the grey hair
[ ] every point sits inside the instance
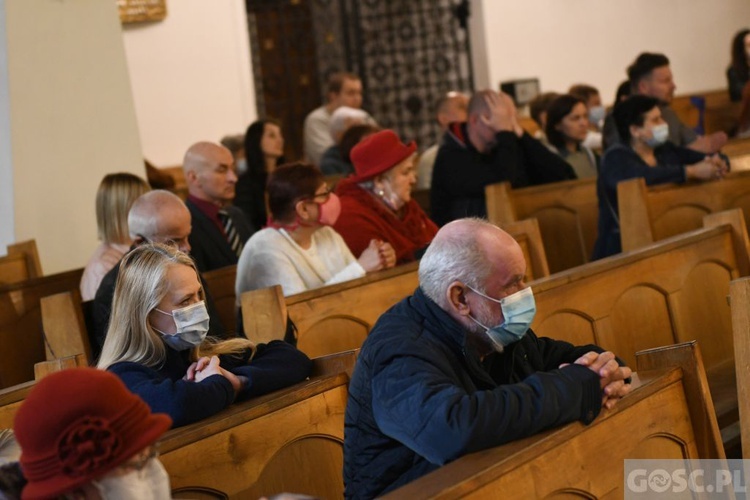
(454, 256)
(343, 116)
(145, 214)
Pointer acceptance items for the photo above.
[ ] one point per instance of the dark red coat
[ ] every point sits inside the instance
(364, 218)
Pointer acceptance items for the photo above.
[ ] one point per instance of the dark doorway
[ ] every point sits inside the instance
(407, 52)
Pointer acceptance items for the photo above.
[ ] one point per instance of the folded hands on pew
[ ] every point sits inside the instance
(613, 377)
(712, 167)
(206, 367)
(378, 255)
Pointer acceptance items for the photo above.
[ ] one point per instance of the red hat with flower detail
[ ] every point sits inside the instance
(76, 425)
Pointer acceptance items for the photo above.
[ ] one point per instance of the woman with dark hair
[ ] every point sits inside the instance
(738, 73)
(264, 151)
(567, 128)
(300, 250)
(644, 152)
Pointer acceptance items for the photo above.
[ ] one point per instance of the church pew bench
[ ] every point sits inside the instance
(739, 293)
(220, 283)
(21, 338)
(567, 213)
(666, 293)
(649, 214)
(656, 420)
(339, 317)
(288, 441)
(21, 263)
(738, 151)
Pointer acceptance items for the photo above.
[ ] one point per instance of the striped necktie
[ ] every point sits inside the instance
(231, 232)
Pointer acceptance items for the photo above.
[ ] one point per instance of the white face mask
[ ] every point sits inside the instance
(659, 135)
(192, 326)
(597, 114)
(149, 483)
(241, 166)
(389, 196)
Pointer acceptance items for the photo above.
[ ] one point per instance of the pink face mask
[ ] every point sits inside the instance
(329, 211)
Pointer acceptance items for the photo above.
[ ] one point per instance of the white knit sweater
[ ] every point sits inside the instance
(272, 257)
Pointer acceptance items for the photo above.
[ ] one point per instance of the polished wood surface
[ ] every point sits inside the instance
(291, 440)
(21, 263)
(269, 316)
(663, 294)
(64, 326)
(21, 338)
(739, 292)
(649, 214)
(567, 213)
(220, 284)
(578, 461)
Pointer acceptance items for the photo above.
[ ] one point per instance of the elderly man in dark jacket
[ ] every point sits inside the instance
(455, 369)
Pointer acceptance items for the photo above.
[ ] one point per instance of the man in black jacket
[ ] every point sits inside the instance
(455, 369)
(490, 147)
(219, 230)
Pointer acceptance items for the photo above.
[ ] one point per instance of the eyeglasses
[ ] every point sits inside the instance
(322, 196)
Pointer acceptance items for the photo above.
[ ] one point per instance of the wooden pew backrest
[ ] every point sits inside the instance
(21, 263)
(220, 283)
(663, 294)
(21, 339)
(339, 317)
(567, 462)
(740, 304)
(649, 214)
(291, 440)
(567, 213)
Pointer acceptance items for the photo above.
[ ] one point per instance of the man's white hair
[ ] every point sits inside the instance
(455, 256)
(344, 117)
(147, 210)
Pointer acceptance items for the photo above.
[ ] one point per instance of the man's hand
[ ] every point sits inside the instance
(502, 112)
(612, 376)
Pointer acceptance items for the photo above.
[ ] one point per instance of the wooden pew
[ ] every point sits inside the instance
(665, 416)
(721, 113)
(649, 214)
(738, 151)
(21, 339)
(288, 441)
(220, 283)
(21, 263)
(663, 294)
(339, 317)
(567, 213)
(739, 293)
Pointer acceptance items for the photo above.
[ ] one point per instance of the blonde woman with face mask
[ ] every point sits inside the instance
(157, 344)
(376, 202)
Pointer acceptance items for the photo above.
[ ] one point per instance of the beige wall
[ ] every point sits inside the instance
(70, 120)
(191, 76)
(593, 41)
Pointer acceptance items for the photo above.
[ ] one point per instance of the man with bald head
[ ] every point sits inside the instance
(220, 229)
(488, 148)
(454, 368)
(155, 217)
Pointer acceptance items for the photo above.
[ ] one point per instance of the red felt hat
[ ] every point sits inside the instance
(76, 425)
(377, 153)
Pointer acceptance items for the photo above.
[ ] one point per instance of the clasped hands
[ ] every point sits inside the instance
(205, 367)
(612, 376)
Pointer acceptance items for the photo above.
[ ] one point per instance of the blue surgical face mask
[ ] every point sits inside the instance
(241, 166)
(518, 313)
(596, 115)
(192, 326)
(659, 135)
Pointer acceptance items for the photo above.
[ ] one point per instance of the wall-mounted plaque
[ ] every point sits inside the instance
(138, 11)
